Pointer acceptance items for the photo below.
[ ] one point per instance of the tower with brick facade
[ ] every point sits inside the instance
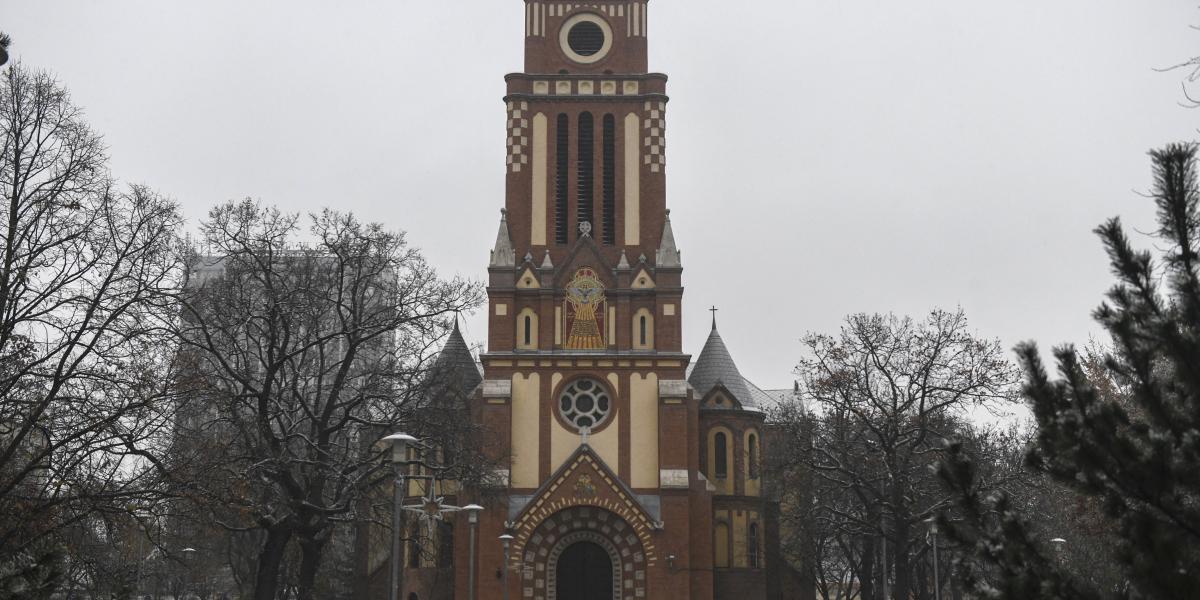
(620, 478)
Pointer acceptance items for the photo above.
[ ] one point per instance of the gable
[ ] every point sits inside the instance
(584, 480)
(720, 398)
(643, 281)
(584, 254)
(528, 280)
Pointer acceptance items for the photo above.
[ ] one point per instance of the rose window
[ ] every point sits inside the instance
(585, 403)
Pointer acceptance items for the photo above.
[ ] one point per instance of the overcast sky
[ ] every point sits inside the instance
(824, 156)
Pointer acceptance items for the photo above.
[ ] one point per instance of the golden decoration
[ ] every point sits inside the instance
(585, 309)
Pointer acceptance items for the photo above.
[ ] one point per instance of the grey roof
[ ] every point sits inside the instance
(775, 399)
(455, 360)
(715, 365)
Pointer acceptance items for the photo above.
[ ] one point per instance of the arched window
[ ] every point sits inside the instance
(721, 545)
(527, 330)
(562, 139)
(643, 329)
(752, 546)
(445, 544)
(720, 450)
(414, 596)
(414, 547)
(585, 173)
(609, 190)
(752, 455)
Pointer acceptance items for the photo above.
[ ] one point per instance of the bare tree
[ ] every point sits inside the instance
(297, 357)
(888, 392)
(86, 270)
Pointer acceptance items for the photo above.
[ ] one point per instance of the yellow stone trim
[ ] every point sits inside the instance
(538, 232)
(633, 183)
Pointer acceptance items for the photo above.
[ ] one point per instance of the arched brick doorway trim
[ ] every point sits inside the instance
(583, 523)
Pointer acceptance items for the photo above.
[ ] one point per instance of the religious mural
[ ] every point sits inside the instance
(584, 314)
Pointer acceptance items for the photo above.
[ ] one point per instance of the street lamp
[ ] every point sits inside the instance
(507, 541)
(1059, 544)
(399, 442)
(472, 511)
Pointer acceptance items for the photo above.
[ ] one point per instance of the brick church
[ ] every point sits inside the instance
(632, 471)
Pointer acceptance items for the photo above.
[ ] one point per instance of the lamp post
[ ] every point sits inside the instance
(399, 442)
(937, 585)
(141, 553)
(188, 553)
(472, 511)
(507, 541)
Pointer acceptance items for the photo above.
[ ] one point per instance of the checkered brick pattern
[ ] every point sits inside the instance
(583, 523)
(656, 136)
(518, 135)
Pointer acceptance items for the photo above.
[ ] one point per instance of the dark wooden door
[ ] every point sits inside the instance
(584, 572)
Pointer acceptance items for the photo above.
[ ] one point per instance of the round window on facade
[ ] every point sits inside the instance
(585, 403)
(586, 38)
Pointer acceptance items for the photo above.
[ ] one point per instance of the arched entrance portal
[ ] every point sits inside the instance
(576, 548)
(584, 572)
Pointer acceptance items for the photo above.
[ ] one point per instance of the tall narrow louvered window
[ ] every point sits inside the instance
(561, 227)
(586, 170)
(610, 168)
(720, 449)
(445, 544)
(752, 455)
(528, 330)
(752, 546)
(642, 326)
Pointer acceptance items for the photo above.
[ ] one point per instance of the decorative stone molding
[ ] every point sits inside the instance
(497, 388)
(673, 478)
(672, 388)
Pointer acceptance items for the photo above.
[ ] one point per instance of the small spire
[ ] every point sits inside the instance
(624, 262)
(546, 262)
(503, 255)
(668, 254)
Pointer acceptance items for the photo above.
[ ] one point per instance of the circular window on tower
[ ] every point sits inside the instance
(586, 38)
(585, 403)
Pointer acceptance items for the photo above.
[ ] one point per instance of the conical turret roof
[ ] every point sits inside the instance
(456, 364)
(715, 366)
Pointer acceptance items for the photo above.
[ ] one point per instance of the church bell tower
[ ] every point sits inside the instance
(585, 388)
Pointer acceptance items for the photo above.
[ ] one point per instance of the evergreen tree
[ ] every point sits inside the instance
(1128, 435)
